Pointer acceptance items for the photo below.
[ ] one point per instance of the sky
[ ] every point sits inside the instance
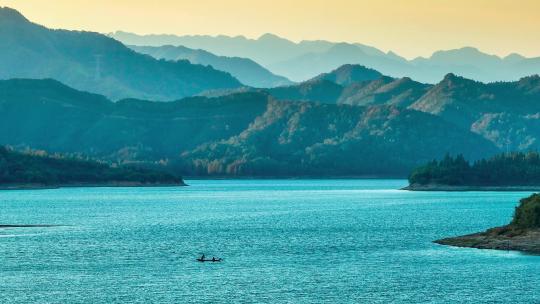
(410, 28)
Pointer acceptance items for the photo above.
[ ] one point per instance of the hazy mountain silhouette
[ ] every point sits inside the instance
(266, 50)
(314, 63)
(246, 70)
(306, 59)
(97, 63)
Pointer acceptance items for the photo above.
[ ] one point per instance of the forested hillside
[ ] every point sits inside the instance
(21, 170)
(248, 133)
(508, 169)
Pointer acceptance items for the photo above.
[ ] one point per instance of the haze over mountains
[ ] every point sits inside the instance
(94, 62)
(307, 59)
(246, 70)
(99, 100)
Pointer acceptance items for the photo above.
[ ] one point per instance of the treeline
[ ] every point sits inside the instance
(24, 168)
(508, 169)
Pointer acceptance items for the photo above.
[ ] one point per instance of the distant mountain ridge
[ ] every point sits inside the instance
(306, 59)
(246, 70)
(265, 50)
(96, 63)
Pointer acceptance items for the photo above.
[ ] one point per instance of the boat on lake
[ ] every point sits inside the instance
(212, 260)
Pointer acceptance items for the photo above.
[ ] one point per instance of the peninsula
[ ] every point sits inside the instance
(37, 170)
(522, 234)
(504, 172)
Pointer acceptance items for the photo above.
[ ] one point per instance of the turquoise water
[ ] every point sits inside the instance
(293, 241)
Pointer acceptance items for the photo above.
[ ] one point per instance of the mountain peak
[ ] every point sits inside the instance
(464, 55)
(271, 37)
(453, 78)
(468, 50)
(8, 14)
(514, 57)
(345, 47)
(349, 73)
(450, 76)
(355, 68)
(404, 80)
(451, 81)
(395, 56)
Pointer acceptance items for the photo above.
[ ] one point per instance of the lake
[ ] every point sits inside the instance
(282, 241)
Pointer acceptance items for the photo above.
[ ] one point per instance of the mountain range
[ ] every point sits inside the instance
(98, 99)
(505, 113)
(240, 134)
(246, 70)
(306, 59)
(97, 63)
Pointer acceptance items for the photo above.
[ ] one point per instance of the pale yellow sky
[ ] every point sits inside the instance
(408, 27)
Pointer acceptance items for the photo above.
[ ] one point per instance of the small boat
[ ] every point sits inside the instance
(208, 260)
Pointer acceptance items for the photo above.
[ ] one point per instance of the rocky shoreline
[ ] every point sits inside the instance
(499, 238)
(437, 187)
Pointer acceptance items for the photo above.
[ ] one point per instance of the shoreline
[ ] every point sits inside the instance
(499, 238)
(294, 177)
(89, 185)
(28, 226)
(448, 188)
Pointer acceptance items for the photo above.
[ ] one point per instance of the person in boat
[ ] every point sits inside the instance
(202, 257)
(213, 259)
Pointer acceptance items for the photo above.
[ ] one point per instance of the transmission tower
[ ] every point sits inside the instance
(97, 72)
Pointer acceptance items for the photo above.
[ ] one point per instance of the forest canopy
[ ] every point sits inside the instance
(527, 214)
(507, 169)
(23, 168)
